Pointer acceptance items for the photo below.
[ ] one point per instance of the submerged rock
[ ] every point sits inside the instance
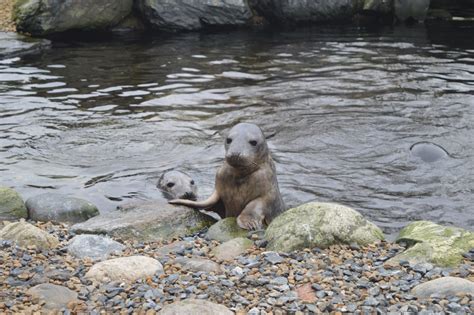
(320, 225)
(428, 152)
(433, 243)
(151, 221)
(444, 287)
(127, 269)
(94, 246)
(231, 249)
(411, 9)
(15, 45)
(26, 234)
(44, 17)
(60, 208)
(224, 230)
(56, 297)
(192, 306)
(194, 14)
(305, 11)
(12, 206)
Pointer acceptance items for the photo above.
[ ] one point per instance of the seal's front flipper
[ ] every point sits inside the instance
(252, 216)
(209, 202)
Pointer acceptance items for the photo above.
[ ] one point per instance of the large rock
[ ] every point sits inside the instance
(194, 14)
(56, 297)
(232, 249)
(433, 243)
(414, 9)
(126, 269)
(12, 206)
(93, 246)
(444, 287)
(195, 307)
(15, 45)
(60, 208)
(305, 11)
(226, 229)
(26, 234)
(147, 222)
(320, 225)
(43, 17)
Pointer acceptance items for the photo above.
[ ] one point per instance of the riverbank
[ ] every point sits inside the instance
(339, 279)
(6, 21)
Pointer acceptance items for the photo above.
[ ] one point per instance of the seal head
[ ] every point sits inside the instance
(176, 184)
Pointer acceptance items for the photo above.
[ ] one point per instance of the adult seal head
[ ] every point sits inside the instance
(176, 184)
(246, 184)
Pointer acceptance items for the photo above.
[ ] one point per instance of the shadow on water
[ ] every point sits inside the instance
(102, 119)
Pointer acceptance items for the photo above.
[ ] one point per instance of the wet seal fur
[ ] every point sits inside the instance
(177, 184)
(246, 184)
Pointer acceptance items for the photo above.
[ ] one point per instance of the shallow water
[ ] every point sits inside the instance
(341, 108)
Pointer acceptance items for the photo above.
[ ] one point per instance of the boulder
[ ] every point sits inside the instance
(153, 221)
(25, 234)
(44, 17)
(56, 297)
(195, 307)
(12, 206)
(231, 249)
(60, 208)
(124, 269)
(411, 9)
(188, 15)
(93, 246)
(436, 244)
(224, 230)
(198, 264)
(444, 287)
(15, 45)
(305, 11)
(320, 225)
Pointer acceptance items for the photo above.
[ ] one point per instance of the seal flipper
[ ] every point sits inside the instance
(204, 204)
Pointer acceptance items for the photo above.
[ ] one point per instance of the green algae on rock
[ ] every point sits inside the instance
(226, 229)
(434, 243)
(320, 225)
(12, 206)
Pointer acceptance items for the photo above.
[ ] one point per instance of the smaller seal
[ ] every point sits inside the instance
(177, 185)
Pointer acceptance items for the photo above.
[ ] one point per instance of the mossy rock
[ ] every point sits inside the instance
(437, 244)
(320, 225)
(225, 230)
(12, 206)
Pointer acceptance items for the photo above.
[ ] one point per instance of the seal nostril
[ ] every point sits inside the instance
(189, 196)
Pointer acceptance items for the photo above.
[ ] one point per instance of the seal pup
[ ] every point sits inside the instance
(246, 184)
(176, 184)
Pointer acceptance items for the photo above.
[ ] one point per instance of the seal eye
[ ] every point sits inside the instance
(192, 182)
(228, 140)
(169, 185)
(253, 143)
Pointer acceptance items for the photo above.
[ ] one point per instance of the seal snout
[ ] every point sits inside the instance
(235, 159)
(189, 195)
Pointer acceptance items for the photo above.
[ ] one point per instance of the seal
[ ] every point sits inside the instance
(176, 184)
(246, 184)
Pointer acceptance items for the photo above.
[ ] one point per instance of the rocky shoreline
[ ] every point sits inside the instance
(315, 258)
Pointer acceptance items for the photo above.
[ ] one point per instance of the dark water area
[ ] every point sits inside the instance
(341, 107)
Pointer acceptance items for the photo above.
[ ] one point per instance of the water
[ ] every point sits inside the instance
(341, 108)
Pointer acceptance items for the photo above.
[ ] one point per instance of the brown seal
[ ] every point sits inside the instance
(246, 184)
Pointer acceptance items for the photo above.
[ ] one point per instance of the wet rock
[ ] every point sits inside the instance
(224, 230)
(15, 45)
(198, 264)
(55, 297)
(26, 234)
(60, 208)
(194, 14)
(193, 306)
(94, 246)
(41, 17)
(320, 225)
(12, 206)
(231, 249)
(304, 11)
(428, 152)
(411, 9)
(444, 287)
(151, 221)
(127, 269)
(436, 244)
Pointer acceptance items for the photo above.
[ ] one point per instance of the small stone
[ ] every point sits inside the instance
(370, 301)
(273, 258)
(55, 296)
(279, 281)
